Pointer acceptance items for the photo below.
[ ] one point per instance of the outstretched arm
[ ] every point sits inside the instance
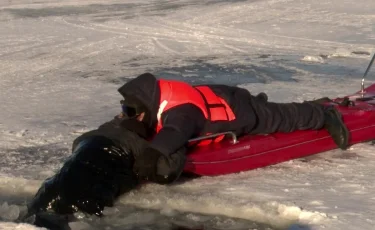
(130, 134)
(179, 125)
(167, 149)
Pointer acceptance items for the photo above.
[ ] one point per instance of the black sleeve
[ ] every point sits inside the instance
(129, 134)
(179, 125)
(123, 131)
(170, 168)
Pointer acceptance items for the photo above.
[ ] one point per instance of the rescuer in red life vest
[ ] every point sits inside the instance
(174, 112)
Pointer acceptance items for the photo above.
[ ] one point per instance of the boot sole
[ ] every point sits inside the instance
(345, 132)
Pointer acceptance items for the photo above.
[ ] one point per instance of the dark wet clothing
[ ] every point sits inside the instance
(101, 168)
(131, 135)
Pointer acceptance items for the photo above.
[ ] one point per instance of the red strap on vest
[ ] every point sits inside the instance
(218, 108)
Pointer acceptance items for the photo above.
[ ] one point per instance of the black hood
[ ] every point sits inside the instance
(145, 89)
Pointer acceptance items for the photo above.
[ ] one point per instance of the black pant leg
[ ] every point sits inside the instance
(285, 117)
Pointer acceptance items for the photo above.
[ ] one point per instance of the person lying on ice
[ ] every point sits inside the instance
(174, 112)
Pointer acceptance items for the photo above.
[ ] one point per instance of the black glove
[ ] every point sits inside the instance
(145, 165)
(137, 127)
(170, 168)
(45, 195)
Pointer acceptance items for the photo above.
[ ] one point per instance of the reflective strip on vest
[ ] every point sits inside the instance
(175, 93)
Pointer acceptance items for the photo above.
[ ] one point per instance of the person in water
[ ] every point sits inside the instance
(100, 169)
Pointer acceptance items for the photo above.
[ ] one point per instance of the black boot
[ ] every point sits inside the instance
(336, 127)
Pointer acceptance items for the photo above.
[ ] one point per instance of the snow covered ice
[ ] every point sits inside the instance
(61, 63)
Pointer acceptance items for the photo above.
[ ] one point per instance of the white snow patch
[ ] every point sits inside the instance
(14, 226)
(342, 52)
(313, 59)
(80, 226)
(9, 212)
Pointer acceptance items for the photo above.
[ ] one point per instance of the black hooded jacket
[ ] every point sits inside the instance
(254, 115)
(130, 135)
(92, 177)
(186, 121)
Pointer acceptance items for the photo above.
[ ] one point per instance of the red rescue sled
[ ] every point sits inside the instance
(250, 152)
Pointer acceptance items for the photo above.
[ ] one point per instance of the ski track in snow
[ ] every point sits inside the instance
(62, 62)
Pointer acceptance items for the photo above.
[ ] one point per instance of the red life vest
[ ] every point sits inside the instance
(174, 93)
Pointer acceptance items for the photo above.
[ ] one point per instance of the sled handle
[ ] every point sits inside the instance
(232, 134)
(367, 70)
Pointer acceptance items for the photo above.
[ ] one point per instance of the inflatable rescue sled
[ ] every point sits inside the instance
(253, 151)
